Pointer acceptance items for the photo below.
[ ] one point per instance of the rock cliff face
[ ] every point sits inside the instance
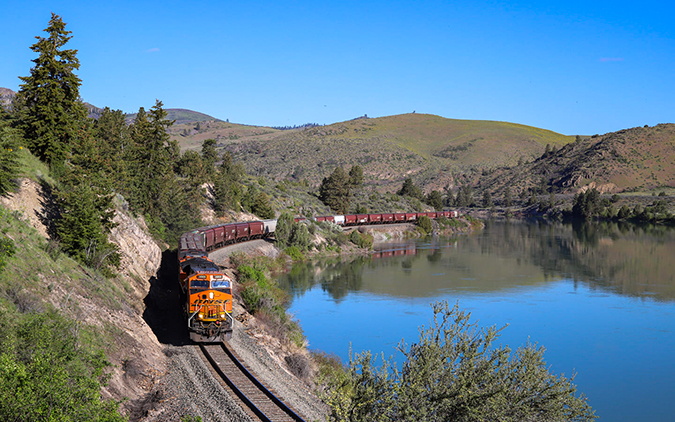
(135, 353)
(140, 254)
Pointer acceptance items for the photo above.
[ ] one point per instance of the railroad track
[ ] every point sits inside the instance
(260, 402)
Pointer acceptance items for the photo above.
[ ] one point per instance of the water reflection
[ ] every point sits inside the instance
(599, 297)
(626, 259)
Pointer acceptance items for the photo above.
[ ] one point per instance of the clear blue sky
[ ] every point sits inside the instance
(569, 66)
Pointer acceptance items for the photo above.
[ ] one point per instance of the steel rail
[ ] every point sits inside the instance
(258, 398)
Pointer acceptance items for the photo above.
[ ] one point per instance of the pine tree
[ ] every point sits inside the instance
(356, 177)
(435, 199)
(227, 187)
(508, 199)
(209, 156)
(85, 197)
(487, 199)
(112, 133)
(262, 207)
(50, 110)
(334, 191)
(152, 159)
(409, 189)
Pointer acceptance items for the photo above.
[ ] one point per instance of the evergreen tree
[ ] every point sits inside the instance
(334, 191)
(356, 177)
(435, 200)
(192, 166)
(50, 110)
(487, 199)
(624, 212)
(181, 212)
(112, 133)
(227, 187)
(284, 228)
(85, 198)
(409, 189)
(587, 204)
(464, 196)
(508, 199)
(209, 156)
(151, 159)
(262, 207)
(450, 199)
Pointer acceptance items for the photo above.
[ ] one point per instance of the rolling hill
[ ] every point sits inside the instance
(426, 147)
(630, 160)
(180, 115)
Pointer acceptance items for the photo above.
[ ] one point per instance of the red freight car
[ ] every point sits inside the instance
(209, 237)
(230, 233)
(374, 218)
(242, 231)
(255, 229)
(219, 235)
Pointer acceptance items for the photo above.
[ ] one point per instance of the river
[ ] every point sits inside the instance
(599, 297)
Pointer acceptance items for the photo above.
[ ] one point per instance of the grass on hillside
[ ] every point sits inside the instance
(40, 277)
(389, 149)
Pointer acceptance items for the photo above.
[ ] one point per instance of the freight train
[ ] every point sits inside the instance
(207, 292)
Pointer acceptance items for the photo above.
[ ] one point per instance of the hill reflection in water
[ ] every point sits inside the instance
(625, 259)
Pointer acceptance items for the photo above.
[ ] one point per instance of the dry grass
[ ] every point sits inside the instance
(389, 149)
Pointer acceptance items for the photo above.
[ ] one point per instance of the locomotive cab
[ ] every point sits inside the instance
(208, 304)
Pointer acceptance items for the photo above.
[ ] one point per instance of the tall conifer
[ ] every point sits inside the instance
(51, 112)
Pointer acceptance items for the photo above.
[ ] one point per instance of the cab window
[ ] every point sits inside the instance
(220, 283)
(200, 281)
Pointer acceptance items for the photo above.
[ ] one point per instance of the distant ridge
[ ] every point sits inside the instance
(181, 116)
(6, 97)
(639, 159)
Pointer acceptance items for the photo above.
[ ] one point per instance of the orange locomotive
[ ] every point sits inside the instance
(207, 292)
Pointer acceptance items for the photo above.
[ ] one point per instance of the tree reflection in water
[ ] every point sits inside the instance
(627, 259)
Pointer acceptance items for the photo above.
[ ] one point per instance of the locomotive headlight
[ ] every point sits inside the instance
(210, 295)
(200, 315)
(222, 316)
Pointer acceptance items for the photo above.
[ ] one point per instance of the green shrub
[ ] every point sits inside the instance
(46, 373)
(362, 240)
(424, 223)
(454, 372)
(295, 253)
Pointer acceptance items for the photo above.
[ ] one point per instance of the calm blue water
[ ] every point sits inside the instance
(600, 299)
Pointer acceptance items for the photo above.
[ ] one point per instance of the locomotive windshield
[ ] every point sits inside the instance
(222, 283)
(200, 281)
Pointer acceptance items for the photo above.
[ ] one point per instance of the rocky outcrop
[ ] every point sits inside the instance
(140, 255)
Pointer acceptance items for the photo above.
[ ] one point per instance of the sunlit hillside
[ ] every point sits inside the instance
(423, 146)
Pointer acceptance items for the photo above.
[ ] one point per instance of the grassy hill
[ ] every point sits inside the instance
(631, 160)
(426, 147)
(180, 115)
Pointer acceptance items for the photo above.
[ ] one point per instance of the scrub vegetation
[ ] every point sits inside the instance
(454, 372)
